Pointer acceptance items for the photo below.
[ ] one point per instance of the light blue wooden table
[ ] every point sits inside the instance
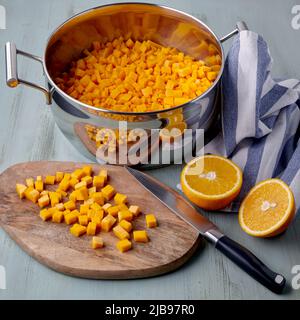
(28, 132)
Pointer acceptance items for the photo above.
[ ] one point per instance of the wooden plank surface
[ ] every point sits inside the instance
(27, 132)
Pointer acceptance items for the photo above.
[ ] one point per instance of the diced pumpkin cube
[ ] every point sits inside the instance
(58, 194)
(140, 236)
(129, 43)
(45, 214)
(30, 182)
(78, 174)
(124, 245)
(73, 196)
(70, 205)
(61, 192)
(73, 181)
(39, 185)
(87, 179)
(52, 210)
(65, 183)
(122, 206)
(97, 220)
(180, 100)
(113, 210)
(57, 216)
(43, 201)
(103, 173)
(81, 184)
(151, 221)
(70, 218)
(21, 188)
(100, 214)
(125, 215)
(89, 201)
(44, 192)
(92, 213)
(135, 210)
(106, 206)
(67, 176)
(120, 198)
(27, 191)
(59, 176)
(65, 212)
(91, 229)
(87, 170)
(60, 206)
(211, 75)
(107, 223)
(54, 198)
(83, 220)
(92, 190)
(97, 243)
(75, 211)
(82, 194)
(32, 195)
(39, 178)
(108, 192)
(95, 206)
(85, 80)
(126, 225)
(84, 208)
(77, 230)
(98, 198)
(98, 181)
(120, 232)
(50, 180)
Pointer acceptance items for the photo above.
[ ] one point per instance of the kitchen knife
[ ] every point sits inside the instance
(234, 251)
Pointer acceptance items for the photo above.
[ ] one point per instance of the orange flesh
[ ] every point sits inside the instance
(226, 177)
(259, 220)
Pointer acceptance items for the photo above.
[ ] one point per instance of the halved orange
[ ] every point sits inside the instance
(211, 181)
(268, 209)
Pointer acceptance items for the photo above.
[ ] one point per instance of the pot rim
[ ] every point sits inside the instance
(84, 105)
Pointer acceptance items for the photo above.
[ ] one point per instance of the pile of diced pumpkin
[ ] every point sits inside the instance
(134, 76)
(84, 200)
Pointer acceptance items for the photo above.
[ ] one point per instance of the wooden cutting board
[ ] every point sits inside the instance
(171, 244)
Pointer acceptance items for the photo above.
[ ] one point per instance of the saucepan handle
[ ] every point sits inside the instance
(12, 79)
(240, 26)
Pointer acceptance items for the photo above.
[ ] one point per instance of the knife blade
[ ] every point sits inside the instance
(181, 208)
(241, 256)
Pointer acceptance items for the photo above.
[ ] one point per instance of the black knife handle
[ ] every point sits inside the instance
(251, 264)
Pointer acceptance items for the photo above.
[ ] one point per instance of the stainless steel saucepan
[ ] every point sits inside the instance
(169, 27)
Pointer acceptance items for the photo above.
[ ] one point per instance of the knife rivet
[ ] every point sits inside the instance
(278, 278)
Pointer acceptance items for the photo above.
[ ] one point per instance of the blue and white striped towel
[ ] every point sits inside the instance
(260, 117)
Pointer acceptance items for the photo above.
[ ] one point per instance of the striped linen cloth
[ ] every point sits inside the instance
(260, 117)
